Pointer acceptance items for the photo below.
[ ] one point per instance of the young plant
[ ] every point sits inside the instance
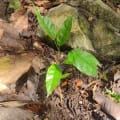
(82, 60)
(60, 36)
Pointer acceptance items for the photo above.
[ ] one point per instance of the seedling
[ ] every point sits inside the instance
(82, 60)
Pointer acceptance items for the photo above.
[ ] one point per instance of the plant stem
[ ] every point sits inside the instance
(58, 54)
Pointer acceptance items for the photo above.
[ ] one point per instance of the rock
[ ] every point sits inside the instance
(15, 114)
(95, 26)
(106, 40)
(38, 64)
(12, 68)
(99, 9)
(77, 39)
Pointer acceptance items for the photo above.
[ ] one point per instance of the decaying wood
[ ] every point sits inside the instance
(109, 106)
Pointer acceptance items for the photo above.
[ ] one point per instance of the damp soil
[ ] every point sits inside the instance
(73, 100)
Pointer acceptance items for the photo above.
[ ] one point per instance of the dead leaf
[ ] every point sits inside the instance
(64, 84)
(19, 20)
(10, 32)
(34, 107)
(9, 37)
(78, 83)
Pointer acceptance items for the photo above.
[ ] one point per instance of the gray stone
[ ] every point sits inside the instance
(99, 34)
(106, 41)
(77, 39)
(15, 114)
(99, 9)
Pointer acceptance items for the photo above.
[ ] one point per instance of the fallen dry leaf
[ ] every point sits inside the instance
(34, 107)
(10, 32)
(78, 83)
(9, 37)
(64, 84)
(19, 20)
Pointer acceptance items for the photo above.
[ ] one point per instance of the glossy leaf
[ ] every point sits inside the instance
(64, 32)
(53, 78)
(46, 24)
(83, 61)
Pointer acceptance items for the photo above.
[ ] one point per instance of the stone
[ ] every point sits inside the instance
(99, 9)
(77, 39)
(104, 31)
(95, 26)
(15, 114)
(12, 68)
(106, 42)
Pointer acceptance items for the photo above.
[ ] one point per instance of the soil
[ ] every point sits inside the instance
(74, 100)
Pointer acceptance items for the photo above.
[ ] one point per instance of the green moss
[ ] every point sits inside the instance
(102, 11)
(5, 63)
(102, 33)
(84, 25)
(14, 4)
(105, 39)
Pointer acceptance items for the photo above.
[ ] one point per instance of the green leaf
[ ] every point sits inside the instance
(65, 75)
(114, 96)
(53, 78)
(46, 24)
(64, 31)
(83, 61)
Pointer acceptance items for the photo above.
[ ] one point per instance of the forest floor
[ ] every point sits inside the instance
(78, 97)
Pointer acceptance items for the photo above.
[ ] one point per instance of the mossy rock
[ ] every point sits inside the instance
(78, 38)
(106, 41)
